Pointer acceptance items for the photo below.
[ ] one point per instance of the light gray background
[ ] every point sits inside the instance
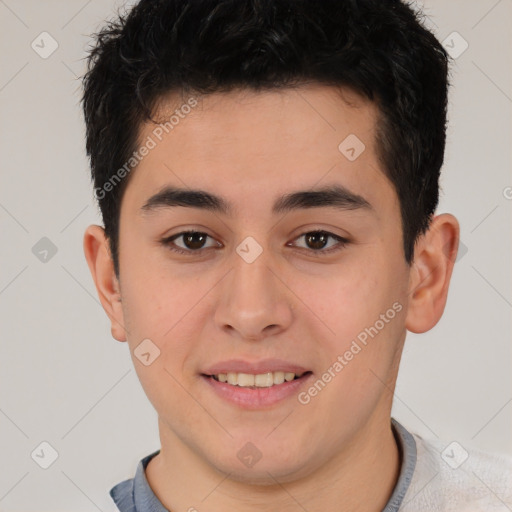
(64, 380)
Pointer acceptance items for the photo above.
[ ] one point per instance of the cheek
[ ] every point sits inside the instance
(347, 300)
(156, 308)
(169, 308)
(360, 353)
(160, 306)
(363, 308)
(155, 297)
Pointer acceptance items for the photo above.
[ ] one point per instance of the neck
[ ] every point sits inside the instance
(360, 478)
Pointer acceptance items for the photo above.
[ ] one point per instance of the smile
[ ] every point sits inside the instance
(260, 380)
(257, 391)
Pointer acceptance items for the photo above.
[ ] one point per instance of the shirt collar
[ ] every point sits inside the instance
(408, 455)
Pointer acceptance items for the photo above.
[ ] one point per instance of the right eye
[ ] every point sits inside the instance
(193, 242)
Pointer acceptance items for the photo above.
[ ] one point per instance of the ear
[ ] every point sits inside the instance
(434, 257)
(97, 254)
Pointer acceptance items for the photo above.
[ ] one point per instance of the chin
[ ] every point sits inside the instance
(270, 466)
(263, 475)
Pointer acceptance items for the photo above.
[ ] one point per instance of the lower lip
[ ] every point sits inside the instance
(257, 398)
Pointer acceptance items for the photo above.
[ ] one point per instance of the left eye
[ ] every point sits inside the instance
(317, 241)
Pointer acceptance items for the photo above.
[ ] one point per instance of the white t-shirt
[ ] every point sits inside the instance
(449, 478)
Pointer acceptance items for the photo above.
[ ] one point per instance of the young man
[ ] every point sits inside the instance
(268, 175)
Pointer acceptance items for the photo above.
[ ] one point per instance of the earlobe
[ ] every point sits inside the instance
(434, 257)
(101, 266)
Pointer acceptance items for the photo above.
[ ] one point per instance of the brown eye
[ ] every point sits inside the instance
(317, 241)
(194, 240)
(190, 241)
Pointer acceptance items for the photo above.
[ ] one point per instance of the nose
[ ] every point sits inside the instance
(254, 302)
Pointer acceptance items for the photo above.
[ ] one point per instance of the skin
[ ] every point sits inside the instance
(291, 303)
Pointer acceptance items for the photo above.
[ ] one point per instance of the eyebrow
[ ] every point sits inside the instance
(335, 196)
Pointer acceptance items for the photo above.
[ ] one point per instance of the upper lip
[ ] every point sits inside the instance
(254, 367)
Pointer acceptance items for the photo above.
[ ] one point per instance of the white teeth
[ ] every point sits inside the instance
(278, 377)
(245, 380)
(262, 380)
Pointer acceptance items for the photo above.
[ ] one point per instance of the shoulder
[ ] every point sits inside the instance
(451, 477)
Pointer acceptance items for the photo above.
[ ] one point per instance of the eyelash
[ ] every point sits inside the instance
(342, 242)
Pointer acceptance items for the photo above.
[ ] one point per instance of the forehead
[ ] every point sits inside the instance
(302, 114)
(248, 143)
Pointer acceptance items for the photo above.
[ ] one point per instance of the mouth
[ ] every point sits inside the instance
(260, 380)
(255, 384)
(257, 391)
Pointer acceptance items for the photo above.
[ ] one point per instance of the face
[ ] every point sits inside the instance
(296, 266)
